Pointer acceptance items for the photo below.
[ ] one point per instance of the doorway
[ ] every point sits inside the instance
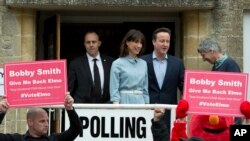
(111, 35)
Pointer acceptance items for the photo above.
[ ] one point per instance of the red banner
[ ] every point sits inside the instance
(35, 83)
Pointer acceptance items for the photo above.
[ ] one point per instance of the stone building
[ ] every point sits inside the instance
(53, 29)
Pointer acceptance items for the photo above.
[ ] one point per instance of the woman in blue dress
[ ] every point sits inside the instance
(128, 76)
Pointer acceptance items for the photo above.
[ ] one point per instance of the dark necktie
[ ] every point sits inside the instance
(97, 81)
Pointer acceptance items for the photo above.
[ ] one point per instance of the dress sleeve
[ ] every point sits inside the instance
(114, 83)
(71, 79)
(145, 88)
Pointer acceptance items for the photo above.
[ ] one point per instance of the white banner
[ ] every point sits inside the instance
(1, 82)
(114, 124)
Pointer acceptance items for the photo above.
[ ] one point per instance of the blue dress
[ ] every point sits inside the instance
(127, 75)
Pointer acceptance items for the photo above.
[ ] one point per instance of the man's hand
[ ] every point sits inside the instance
(158, 114)
(3, 105)
(68, 102)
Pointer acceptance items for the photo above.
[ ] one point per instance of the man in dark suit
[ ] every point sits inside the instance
(81, 73)
(165, 72)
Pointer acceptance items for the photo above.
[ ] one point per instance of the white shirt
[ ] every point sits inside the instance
(99, 65)
(160, 68)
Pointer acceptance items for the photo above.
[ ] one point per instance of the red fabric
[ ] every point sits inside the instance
(181, 110)
(245, 109)
(199, 125)
(178, 131)
(221, 131)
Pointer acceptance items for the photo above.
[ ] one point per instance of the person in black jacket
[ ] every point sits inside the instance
(37, 120)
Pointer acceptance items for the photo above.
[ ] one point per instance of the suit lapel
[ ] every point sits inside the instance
(106, 71)
(104, 64)
(152, 71)
(85, 65)
(168, 72)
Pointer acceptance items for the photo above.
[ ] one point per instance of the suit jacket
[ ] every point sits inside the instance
(80, 83)
(174, 79)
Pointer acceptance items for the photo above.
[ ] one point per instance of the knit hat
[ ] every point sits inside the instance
(191, 139)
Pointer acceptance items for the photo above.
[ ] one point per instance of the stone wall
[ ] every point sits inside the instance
(224, 22)
(9, 35)
(227, 24)
(183, 4)
(17, 35)
(17, 43)
(196, 26)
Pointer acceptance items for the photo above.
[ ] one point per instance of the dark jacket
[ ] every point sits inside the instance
(80, 83)
(174, 79)
(68, 135)
(160, 131)
(229, 65)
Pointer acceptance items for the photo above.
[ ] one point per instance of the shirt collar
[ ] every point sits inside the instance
(132, 60)
(155, 58)
(220, 61)
(98, 57)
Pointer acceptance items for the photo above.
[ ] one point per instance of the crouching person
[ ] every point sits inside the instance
(37, 120)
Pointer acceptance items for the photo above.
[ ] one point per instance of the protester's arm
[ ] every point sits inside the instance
(4, 106)
(75, 123)
(159, 128)
(2, 115)
(145, 88)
